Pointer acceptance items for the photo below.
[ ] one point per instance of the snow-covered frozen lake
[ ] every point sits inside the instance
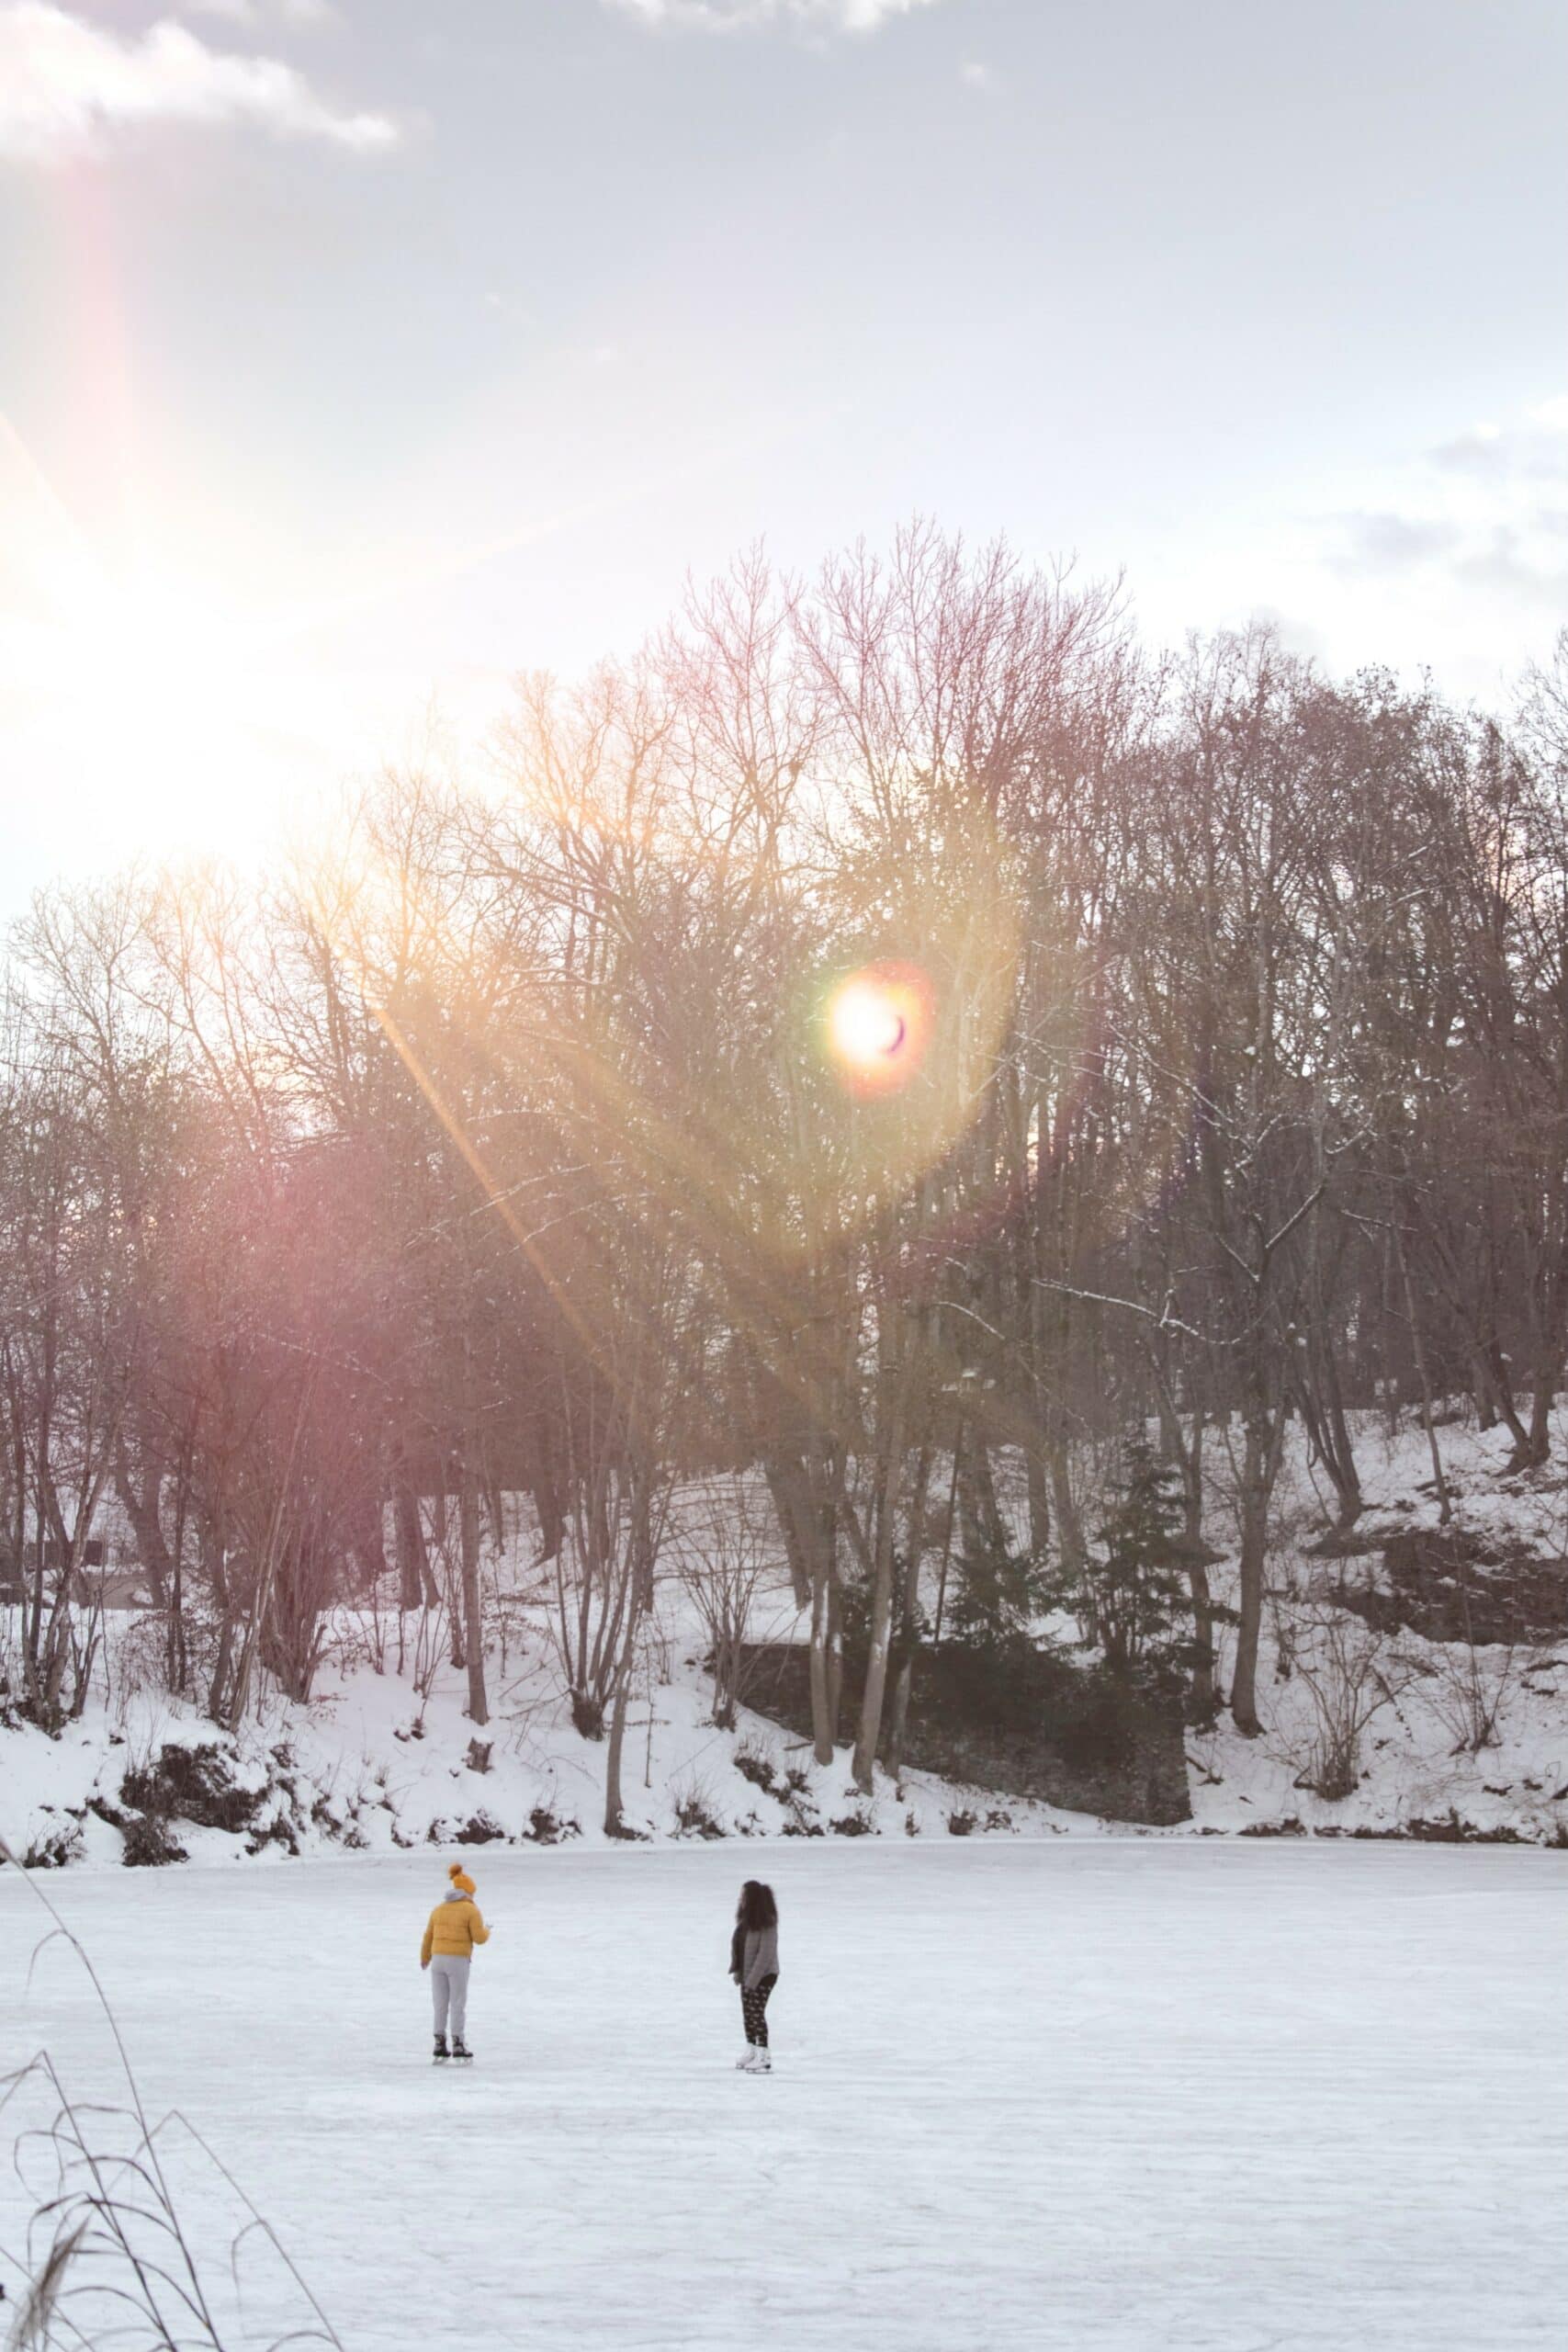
(1136, 2095)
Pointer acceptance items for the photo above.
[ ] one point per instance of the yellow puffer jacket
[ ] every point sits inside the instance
(454, 1929)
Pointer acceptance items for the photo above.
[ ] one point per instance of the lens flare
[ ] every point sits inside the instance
(879, 1023)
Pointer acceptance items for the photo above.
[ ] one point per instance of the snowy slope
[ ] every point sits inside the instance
(380, 1760)
(1517, 1785)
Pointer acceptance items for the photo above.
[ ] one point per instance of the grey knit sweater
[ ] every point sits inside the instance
(761, 1956)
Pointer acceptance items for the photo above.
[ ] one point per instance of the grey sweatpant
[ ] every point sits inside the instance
(449, 1987)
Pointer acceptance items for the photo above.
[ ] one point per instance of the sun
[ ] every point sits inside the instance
(865, 1024)
(878, 1021)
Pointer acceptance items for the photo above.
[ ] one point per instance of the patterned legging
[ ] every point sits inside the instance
(754, 2009)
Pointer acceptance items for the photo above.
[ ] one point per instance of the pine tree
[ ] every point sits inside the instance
(1130, 1595)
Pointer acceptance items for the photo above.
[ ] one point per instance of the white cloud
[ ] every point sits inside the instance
(307, 13)
(1487, 510)
(66, 83)
(743, 15)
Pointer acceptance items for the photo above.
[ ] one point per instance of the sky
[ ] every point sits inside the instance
(355, 354)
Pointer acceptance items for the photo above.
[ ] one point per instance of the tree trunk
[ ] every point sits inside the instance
(1203, 1699)
(414, 1579)
(1503, 1394)
(790, 1486)
(1070, 1526)
(367, 1538)
(614, 1823)
(910, 1606)
(141, 1508)
(473, 1627)
(822, 1707)
(1418, 1350)
(863, 1765)
(1039, 1479)
(1536, 1447)
(1265, 1439)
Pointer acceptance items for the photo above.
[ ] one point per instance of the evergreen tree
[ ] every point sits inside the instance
(1130, 1595)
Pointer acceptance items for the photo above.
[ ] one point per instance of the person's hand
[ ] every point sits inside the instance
(425, 1964)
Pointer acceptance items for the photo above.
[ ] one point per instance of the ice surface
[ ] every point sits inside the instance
(1074, 2094)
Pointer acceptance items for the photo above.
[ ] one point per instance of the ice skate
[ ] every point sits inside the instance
(460, 2050)
(442, 2051)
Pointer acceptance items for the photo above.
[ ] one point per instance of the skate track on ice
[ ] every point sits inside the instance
(1105, 2096)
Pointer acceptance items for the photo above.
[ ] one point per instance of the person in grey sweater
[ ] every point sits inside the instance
(754, 1964)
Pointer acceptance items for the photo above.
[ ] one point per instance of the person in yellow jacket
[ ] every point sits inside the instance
(453, 1929)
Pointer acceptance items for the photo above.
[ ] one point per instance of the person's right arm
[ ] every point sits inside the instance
(429, 1937)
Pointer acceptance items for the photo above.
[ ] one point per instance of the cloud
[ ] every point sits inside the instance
(1392, 542)
(305, 13)
(1534, 448)
(1487, 509)
(66, 84)
(751, 15)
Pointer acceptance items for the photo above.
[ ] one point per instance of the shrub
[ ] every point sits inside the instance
(1467, 1692)
(1342, 1666)
(756, 1764)
(58, 1845)
(148, 1843)
(279, 1831)
(197, 1785)
(546, 1828)
(480, 1829)
(694, 1816)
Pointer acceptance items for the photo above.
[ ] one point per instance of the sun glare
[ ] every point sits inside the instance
(164, 720)
(867, 1026)
(877, 1023)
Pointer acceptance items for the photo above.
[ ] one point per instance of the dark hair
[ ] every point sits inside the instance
(756, 1907)
(755, 1910)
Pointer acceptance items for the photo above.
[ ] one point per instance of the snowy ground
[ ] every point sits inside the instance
(1078, 2094)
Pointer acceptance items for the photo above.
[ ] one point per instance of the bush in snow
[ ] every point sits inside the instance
(1467, 1689)
(194, 1785)
(54, 1847)
(480, 1829)
(148, 1843)
(856, 1824)
(1342, 1663)
(695, 1815)
(757, 1764)
(546, 1828)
